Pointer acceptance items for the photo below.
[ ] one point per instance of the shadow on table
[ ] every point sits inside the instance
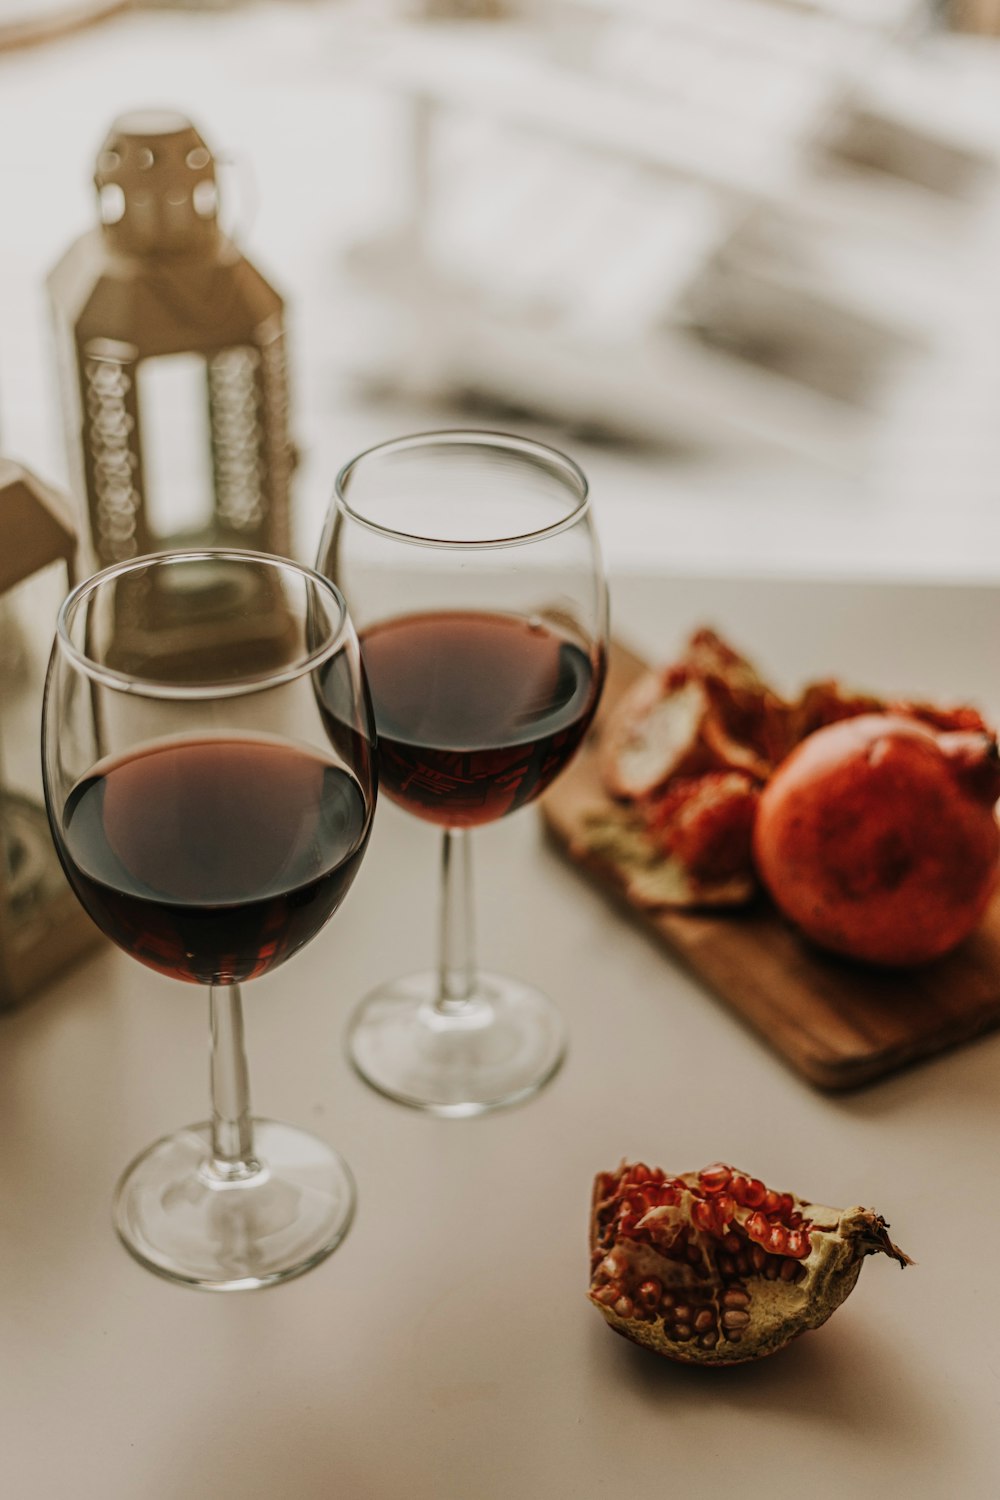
(964, 1081)
(847, 1383)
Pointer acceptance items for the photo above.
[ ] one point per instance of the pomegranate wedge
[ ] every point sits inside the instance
(715, 1268)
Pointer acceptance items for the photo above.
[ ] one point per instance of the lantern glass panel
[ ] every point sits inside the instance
(177, 446)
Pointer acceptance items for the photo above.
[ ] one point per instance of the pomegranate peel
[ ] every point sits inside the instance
(653, 735)
(707, 711)
(728, 751)
(714, 1268)
(960, 717)
(707, 822)
(827, 702)
(653, 878)
(709, 655)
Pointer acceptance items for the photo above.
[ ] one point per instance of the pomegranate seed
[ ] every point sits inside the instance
(735, 1296)
(649, 1292)
(609, 1294)
(624, 1307)
(702, 1216)
(758, 1228)
(639, 1173)
(794, 1220)
(704, 1320)
(771, 1201)
(786, 1206)
(716, 1177)
(777, 1240)
(758, 1257)
(724, 1206)
(738, 1187)
(733, 1243)
(756, 1192)
(735, 1317)
(798, 1244)
(789, 1269)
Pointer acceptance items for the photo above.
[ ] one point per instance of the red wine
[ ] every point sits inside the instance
(476, 713)
(213, 860)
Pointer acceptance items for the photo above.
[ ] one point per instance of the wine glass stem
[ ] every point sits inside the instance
(457, 963)
(232, 1127)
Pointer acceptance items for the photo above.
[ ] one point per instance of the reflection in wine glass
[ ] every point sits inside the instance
(471, 567)
(211, 826)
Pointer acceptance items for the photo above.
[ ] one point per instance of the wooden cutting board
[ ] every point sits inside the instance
(837, 1023)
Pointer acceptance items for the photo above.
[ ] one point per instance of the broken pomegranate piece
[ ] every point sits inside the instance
(962, 718)
(652, 875)
(654, 734)
(689, 755)
(710, 710)
(828, 702)
(715, 1268)
(706, 822)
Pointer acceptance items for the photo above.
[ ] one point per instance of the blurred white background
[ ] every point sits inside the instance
(738, 257)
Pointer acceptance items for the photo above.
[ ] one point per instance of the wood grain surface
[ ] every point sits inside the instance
(838, 1023)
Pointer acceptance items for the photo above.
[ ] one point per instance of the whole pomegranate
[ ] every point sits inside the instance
(877, 837)
(714, 1268)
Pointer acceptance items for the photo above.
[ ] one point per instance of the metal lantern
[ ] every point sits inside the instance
(976, 15)
(174, 379)
(42, 926)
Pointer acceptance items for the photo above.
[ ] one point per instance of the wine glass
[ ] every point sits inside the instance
(210, 782)
(471, 567)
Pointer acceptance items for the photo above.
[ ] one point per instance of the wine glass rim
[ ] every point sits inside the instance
(453, 436)
(152, 687)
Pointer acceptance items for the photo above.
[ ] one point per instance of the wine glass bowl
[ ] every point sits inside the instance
(472, 569)
(470, 743)
(211, 823)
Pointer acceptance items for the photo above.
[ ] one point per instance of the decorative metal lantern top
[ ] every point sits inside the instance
(42, 926)
(164, 325)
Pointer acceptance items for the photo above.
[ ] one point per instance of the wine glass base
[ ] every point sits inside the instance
(497, 1048)
(178, 1216)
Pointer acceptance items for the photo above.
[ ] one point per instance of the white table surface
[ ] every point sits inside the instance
(446, 1350)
